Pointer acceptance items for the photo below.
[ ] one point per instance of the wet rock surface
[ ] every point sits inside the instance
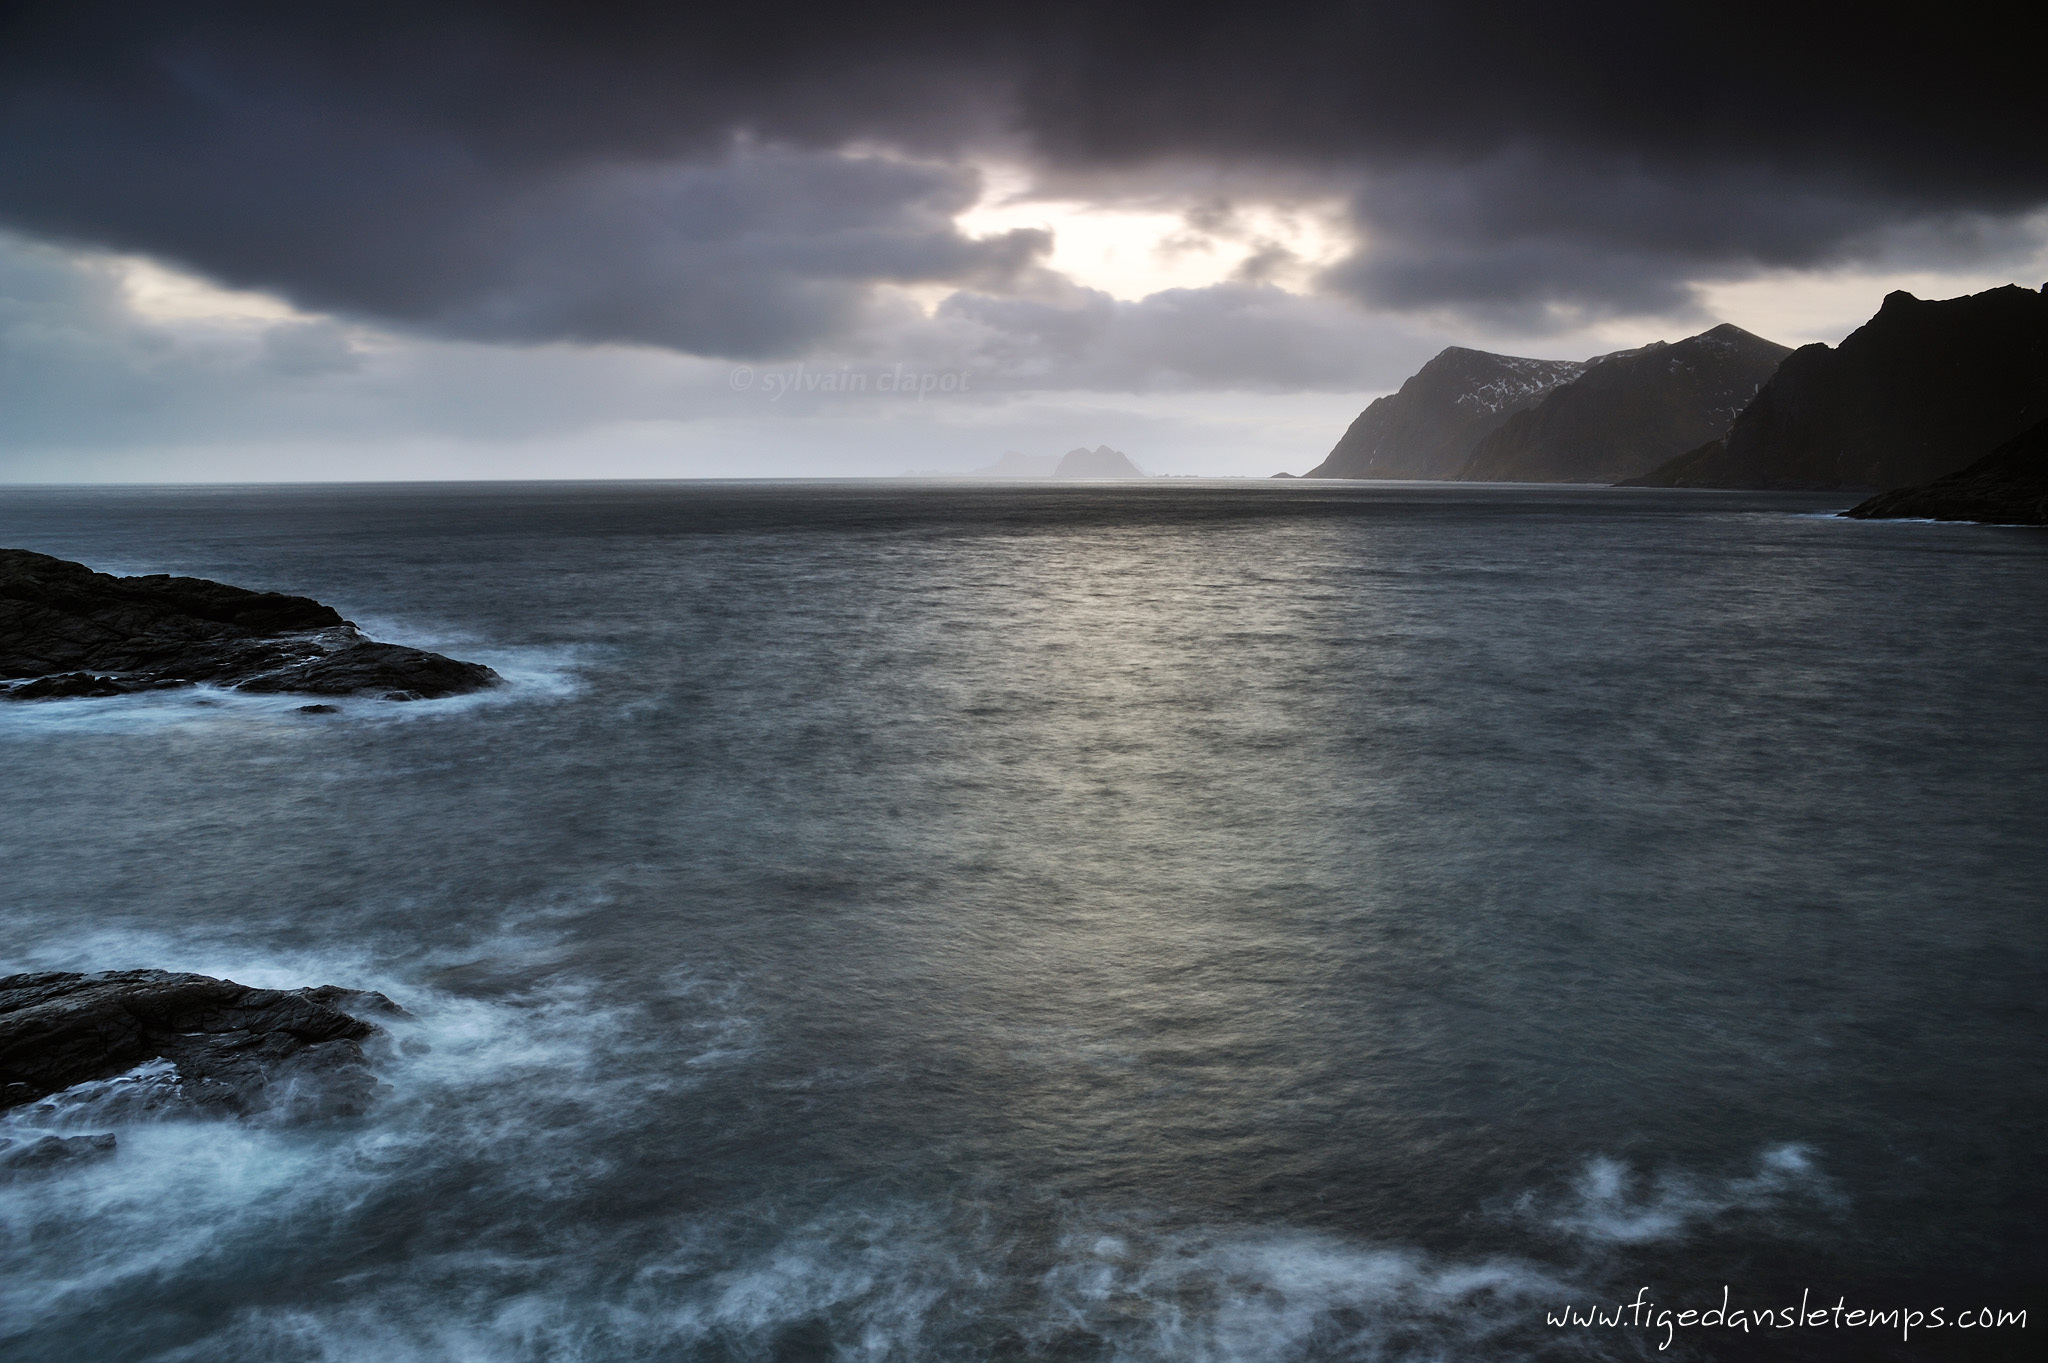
(68, 632)
(219, 1047)
(27, 1158)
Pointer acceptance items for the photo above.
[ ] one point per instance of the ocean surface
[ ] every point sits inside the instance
(1165, 921)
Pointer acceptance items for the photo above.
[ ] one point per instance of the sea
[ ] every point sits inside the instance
(1217, 922)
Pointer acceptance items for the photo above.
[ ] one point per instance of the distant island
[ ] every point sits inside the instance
(67, 632)
(1100, 462)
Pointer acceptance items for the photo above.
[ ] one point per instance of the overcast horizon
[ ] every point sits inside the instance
(446, 240)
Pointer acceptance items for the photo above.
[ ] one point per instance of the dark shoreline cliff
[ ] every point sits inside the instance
(2008, 486)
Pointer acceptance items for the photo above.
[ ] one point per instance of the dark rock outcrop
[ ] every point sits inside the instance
(2008, 486)
(1630, 411)
(236, 1050)
(67, 631)
(1431, 426)
(1100, 462)
(1912, 395)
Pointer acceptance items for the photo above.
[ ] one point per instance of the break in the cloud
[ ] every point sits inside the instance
(696, 178)
(104, 356)
(470, 220)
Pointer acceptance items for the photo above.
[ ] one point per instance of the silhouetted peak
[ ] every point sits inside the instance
(1100, 462)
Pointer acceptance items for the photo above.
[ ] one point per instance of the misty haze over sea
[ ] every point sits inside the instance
(1164, 921)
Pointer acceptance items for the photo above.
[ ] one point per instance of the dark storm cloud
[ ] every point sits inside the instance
(82, 371)
(672, 174)
(1924, 106)
(1527, 230)
(756, 253)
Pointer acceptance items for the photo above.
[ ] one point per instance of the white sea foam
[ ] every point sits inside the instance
(1611, 1202)
(513, 1087)
(136, 1095)
(1225, 1298)
(879, 1281)
(1917, 520)
(905, 1281)
(508, 1101)
(533, 675)
(529, 933)
(531, 671)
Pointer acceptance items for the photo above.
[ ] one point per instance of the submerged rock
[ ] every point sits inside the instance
(67, 631)
(235, 1050)
(21, 1159)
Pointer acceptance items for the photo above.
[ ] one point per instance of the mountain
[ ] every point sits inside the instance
(2008, 486)
(1100, 462)
(1429, 428)
(1915, 393)
(1630, 411)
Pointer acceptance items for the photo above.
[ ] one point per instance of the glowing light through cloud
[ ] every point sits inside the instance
(162, 293)
(1130, 250)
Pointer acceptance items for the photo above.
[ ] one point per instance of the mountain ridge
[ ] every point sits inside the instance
(1100, 462)
(1923, 388)
(1630, 411)
(1430, 425)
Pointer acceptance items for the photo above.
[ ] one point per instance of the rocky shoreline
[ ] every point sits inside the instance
(179, 1045)
(2008, 486)
(67, 631)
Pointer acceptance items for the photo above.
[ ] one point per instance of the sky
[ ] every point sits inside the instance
(253, 242)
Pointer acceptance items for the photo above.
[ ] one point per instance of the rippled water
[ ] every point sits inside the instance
(1165, 921)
